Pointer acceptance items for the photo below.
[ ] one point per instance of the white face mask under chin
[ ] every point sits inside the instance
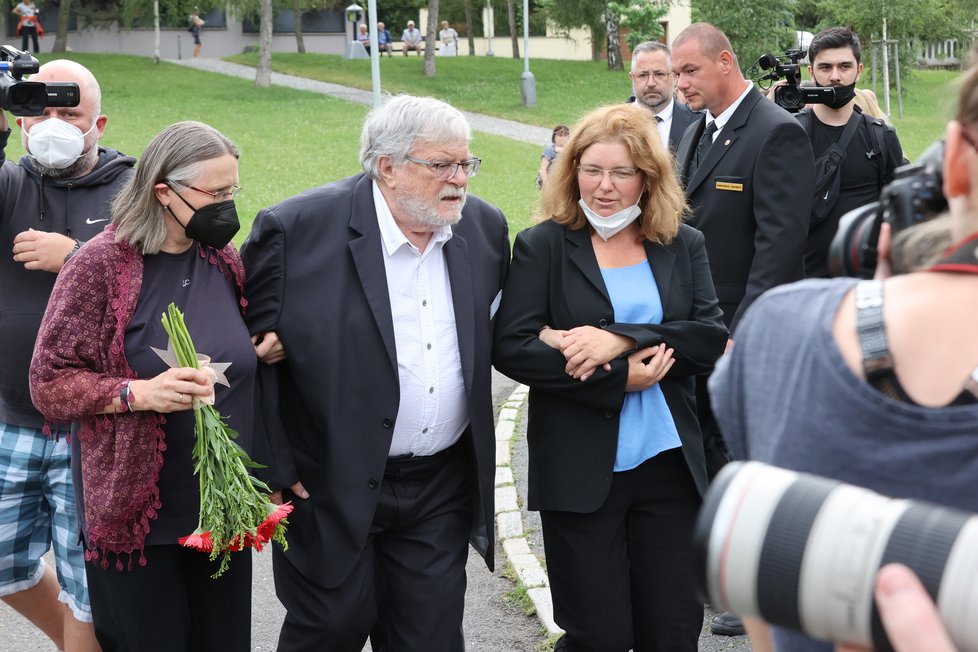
(606, 227)
(56, 144)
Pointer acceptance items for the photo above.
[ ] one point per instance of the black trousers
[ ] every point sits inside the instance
(29, 32)
(407, 589)
(622, 577)
(172, 604)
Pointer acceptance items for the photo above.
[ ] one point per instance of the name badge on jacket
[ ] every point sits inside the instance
(729, 185)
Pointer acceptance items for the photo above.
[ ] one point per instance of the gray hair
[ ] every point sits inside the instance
(396, 127)
(174, 155)
(651, 46)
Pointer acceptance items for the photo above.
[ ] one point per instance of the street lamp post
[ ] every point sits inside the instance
(355, 49)
(490, 28)
(528, 85)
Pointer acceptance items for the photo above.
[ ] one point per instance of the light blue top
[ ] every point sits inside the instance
(646, 427)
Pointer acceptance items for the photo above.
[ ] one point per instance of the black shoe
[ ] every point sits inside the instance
(727, 624)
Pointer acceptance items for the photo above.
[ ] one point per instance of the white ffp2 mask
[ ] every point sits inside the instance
(606, 227)
(55, 143)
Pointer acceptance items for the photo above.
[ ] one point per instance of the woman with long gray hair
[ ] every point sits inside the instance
(101, 364)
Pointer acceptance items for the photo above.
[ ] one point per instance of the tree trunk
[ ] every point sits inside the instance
(263, 77)
(156, 31)
(300, 44)
(468, 27)
(614, 43)
(61, 38)
(513, 34)
(431, 39)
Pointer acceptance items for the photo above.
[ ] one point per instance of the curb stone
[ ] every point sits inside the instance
(509, 520)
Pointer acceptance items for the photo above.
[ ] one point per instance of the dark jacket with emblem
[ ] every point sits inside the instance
(751, 197)
(78, 208)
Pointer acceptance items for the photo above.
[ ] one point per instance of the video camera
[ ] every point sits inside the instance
(915, 195)
(791, 96)
(27, 98)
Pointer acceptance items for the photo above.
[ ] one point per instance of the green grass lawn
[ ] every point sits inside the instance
(566, 89)
(292, 140)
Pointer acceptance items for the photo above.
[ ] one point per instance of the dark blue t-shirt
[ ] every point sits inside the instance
(209, 303)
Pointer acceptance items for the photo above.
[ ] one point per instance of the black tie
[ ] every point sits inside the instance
(702, 147)
(658, 119)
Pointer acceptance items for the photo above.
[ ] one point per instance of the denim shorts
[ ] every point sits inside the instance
(37, 508)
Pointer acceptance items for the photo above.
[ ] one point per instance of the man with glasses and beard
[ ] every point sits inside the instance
(381, 288)
(50, 204)
(654, 87)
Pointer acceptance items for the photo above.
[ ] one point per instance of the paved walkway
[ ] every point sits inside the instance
(479, 122)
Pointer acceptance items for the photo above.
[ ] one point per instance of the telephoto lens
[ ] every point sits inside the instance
(802, 552)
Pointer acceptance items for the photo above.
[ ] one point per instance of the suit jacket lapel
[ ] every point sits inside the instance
(724, 140)
(463, 300)
(368, 257)
(582, 256)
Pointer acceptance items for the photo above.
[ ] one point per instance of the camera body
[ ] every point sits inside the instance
(27, 98)
(791, 96)
(914, 196)
(802, 552)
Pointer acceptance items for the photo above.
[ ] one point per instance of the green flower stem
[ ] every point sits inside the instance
(232, 501)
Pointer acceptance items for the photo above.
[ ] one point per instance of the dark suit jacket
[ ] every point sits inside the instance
(751, 197)
(315, 275)
(682, 116)
(573, 426)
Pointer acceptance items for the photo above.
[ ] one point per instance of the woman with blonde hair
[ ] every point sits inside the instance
(608, 314)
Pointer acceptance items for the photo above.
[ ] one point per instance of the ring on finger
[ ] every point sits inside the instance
(179, 397)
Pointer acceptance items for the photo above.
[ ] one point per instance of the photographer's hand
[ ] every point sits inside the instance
(908, 614)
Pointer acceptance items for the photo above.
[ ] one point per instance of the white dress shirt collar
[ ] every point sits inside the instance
(724, 117)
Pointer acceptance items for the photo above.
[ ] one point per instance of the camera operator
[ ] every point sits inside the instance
(855, 154)
(873, 383)
(55, 199)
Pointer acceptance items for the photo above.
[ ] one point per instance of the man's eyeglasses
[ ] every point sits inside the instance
(618, 175)
(643, 77)
(222, 195)
(445, 170)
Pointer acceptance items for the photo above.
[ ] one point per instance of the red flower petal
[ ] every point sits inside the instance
(198, 541)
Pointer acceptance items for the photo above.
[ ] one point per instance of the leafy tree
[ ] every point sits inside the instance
(570, 14)
(642, 19)
(752, 27)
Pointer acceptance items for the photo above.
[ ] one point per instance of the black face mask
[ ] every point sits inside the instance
(213, 225)
(843, 95)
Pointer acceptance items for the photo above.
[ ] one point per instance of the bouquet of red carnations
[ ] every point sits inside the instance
(235, 512)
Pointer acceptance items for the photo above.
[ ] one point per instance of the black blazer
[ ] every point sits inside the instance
(573, 426)
(315, 275)
(751, 197)
(682, 117)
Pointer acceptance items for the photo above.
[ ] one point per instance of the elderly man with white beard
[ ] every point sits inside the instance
(381, 288)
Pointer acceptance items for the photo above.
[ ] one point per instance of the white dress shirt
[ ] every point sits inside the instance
(664, 122)
(432, 412)
(724, 117)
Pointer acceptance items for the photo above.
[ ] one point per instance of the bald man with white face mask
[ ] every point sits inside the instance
(55, 199)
